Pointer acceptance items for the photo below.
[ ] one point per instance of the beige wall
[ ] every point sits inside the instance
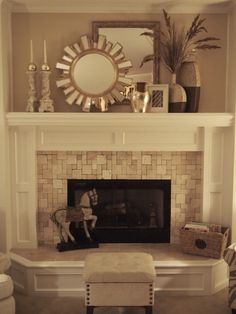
(61, 30)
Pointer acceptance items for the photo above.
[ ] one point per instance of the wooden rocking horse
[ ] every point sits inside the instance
(83, 212)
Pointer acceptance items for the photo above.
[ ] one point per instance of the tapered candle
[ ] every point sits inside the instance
(44, 52)
(31, 51)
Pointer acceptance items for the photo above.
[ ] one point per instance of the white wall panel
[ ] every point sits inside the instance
(24, 199)
(51, 282)
(179, 281)
(213, 171)
(23, 222)
(217, 154)
(215, 207)
(114, 138)
(21, 148)
(72, 138)
(164, 139)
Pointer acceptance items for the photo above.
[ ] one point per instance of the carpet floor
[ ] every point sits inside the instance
(215, 304)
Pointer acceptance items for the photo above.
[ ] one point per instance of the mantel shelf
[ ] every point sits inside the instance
(121, 119)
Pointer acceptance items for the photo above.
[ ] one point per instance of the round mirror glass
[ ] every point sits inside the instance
(94, 74)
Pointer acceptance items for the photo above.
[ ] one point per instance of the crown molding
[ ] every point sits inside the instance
(128, 6)
(5, 4)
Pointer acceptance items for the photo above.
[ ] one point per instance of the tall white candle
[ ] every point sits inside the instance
(44, 52)
(31, 51)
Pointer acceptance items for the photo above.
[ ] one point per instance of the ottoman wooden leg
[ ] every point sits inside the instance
(89, 309)
(148, 309)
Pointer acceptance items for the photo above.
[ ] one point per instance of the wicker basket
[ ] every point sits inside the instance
(210, 244)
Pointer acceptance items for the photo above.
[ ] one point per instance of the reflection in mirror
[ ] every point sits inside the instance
(135, 46)
(98, 80)
(93, 73)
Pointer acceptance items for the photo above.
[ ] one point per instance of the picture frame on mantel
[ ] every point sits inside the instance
(159, 94)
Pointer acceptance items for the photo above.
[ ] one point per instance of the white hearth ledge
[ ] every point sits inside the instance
(121, 119)
(173, 277)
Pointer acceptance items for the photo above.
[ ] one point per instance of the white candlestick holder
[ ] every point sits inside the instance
(46, 103)
(31, 101)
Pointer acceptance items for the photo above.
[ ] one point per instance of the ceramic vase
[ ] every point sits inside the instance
(177, 96)
(140, 98)
(189, 78)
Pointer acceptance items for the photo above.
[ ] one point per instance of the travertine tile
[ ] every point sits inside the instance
(183, 168)
(106, 174)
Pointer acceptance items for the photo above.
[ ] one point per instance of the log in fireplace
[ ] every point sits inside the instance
(127, 210)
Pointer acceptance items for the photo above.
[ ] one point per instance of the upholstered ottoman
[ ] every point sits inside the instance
(119, 279)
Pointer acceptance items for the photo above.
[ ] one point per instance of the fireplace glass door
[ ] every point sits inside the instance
(127, 210)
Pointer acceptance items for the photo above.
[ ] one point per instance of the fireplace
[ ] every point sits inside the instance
(47, 150)
(183, 169)
(184, 149)
(127, 210)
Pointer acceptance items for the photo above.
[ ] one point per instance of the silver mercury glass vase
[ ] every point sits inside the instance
(140, 98)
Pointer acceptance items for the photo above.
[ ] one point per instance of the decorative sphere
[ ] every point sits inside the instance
(45, 67)
(32, 67)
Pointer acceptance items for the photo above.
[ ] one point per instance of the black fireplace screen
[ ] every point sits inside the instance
(127, 210)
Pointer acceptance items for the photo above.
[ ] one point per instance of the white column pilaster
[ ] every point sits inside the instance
(215, 170)
(24, 195)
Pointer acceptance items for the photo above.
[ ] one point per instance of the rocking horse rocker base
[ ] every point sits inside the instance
(80, 239)
(69, 246)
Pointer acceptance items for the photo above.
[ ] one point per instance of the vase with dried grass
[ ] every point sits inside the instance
(177, 47)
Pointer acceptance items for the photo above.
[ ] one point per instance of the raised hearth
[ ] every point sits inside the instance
(44, 271)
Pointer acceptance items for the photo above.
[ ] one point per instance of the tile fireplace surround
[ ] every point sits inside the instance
(54, 168)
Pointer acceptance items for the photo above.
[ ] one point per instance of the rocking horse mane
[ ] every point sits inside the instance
(88, 199)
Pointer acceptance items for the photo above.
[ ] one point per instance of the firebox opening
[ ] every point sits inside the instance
(127, 210)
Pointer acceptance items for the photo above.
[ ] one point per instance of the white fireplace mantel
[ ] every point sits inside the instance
(121, 119)
(210, 133)
(119, 131)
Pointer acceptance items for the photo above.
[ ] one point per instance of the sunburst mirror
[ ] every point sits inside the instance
(93, 73)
